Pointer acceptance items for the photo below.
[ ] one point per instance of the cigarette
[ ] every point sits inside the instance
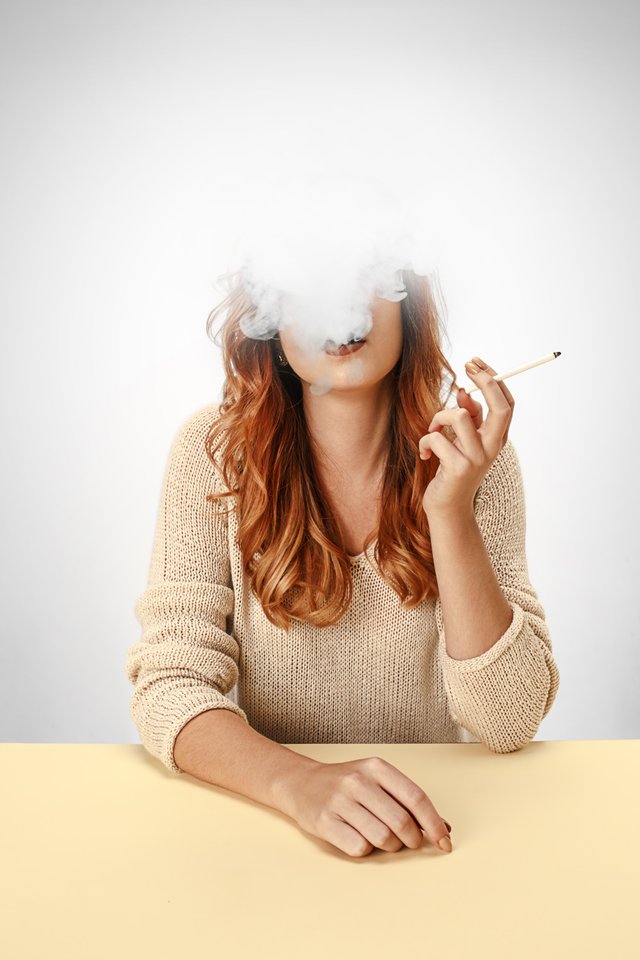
(526, 366)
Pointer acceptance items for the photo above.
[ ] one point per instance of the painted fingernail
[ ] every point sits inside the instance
(472, 367)
(445, 844)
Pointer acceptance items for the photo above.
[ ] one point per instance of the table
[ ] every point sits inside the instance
(107, 854)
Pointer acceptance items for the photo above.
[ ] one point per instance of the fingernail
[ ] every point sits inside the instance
(461, 390)
(445, 844)
(480, 363)
(472, 367)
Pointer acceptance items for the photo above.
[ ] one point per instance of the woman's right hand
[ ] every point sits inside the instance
(362, 804)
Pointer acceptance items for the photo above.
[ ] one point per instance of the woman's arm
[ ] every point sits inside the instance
(218, 747)
(186, 662)
(475, 611)
(500, 675)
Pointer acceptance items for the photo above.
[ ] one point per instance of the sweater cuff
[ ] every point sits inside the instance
(472, 664)
(171, 712)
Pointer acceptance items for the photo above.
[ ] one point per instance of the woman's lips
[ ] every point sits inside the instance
(345, 349)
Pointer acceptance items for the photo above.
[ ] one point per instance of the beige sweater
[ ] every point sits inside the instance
(380, 675)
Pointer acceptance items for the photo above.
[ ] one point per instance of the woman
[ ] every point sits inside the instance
(366, 583)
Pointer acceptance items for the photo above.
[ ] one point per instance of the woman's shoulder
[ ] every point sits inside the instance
(193, 429)
(190, 446)
(199, 419)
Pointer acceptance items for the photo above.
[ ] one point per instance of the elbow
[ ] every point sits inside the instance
(521, 730)
(507, 745)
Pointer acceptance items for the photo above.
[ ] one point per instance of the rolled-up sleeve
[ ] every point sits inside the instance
(502, 696)
(186, 661)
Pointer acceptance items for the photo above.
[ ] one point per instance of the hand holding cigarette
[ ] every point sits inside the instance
(465, 460)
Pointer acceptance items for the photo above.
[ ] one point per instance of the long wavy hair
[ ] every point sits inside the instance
(292, 547)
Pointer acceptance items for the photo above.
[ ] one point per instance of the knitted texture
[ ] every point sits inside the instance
(380, 675)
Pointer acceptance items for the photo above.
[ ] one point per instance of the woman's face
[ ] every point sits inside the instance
(378, 355)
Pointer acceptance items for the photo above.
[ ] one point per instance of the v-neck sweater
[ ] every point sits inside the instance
(382, 674)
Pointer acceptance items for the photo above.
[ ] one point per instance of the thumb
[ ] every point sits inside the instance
(474, 408)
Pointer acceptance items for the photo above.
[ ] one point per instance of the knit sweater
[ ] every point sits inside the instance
(382, 674)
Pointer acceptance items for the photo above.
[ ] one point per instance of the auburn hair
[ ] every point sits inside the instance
(292, 547)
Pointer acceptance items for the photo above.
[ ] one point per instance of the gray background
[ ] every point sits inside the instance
(120, 122)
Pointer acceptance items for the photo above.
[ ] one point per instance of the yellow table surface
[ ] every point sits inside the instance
(106, 854)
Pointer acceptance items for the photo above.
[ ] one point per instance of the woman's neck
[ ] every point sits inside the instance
(349, 432)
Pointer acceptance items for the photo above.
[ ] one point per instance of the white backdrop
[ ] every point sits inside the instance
(120, 123)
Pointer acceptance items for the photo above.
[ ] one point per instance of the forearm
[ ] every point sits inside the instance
(217, 746)
(475, 611)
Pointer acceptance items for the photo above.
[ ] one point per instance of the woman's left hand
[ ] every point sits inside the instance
(464, 463)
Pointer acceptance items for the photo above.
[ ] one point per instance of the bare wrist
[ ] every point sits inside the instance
(286, 782)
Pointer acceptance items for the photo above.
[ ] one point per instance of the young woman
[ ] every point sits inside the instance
(353, 562)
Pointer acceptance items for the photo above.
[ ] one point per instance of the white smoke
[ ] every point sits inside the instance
(315, 249)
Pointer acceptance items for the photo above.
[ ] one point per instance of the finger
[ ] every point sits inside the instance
(505, 390)
(346, 838)
(485, 366)
(448, 454)
(391, 814)
(384, 827)
(465, 431)
(411, 796)
(473, 406)
(499, 415)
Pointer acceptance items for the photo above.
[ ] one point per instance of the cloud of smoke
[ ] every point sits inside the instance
(315, 249)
